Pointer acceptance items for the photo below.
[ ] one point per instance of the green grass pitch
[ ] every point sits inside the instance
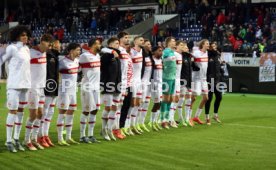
(245, 140)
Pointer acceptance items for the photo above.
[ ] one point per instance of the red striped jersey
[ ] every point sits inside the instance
(178, 64)
(68, 69)
(38, 68)
(18, 57)
(90, 65)
(158, 70)
(129, 73)
(137, 60)
(124, 64)
(148, 70)
(201, 60)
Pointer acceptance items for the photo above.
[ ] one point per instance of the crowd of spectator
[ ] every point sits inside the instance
(59, 18)
(231, 26)
(234, 27)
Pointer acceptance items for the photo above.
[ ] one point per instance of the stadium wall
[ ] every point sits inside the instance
(246, 80)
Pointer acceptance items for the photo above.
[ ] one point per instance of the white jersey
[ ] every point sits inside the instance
(137, 59)
(158, 70)
(124, 64)
(69, 74)
(148, 71)
(38, 68)
(90, 64)
(178, 65)
(19, 74)
(201, 60)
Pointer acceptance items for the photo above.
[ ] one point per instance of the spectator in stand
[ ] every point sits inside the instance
(155, 30)
(214, 35)
(205, 34)
(238, 43)
(260, 19)
(93, 25)
(221, 19)
(242, 32)
(266, 32)
(250, 36)
(180, 7)
(231, 38)
(259, 34)
(271, 47)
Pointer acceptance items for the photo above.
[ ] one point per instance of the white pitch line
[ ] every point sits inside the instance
(250, 126)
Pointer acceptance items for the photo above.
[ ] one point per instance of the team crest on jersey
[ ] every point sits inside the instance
(134, 52)
(62, 105)
(32, 104)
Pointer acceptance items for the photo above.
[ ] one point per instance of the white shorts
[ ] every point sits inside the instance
(111, 99)
(199, 87)
(67, 101)
(184, 90)
(177, 87)
(36, 98)
(146, 91)
(50, 101)
(157, 93)
(90, 100)
(136, 90)
(17, 98)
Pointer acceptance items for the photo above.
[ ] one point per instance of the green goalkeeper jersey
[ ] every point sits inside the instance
(169, 64)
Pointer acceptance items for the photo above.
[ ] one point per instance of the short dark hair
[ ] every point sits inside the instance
(46, 38)
(122, 34)
(155, 48)
(17, 31)
(92, 41)
(111, 40)
(72, 46)
(139, 36)
(146, 40)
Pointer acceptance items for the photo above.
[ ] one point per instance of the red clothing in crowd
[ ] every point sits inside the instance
(260, 20)
(221, 19)
(155, 29)
(232, 39)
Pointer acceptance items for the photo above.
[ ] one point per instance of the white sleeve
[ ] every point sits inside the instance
(8, 54)
(106, 50)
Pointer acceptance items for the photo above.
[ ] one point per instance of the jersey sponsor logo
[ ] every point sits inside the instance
(41, 60)
(179, 62)
(91, 64)
(201, 59)
(95, 64)
(70, 71)
(124, 56)
(159, 66)
(137, 60)
(148, 64)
